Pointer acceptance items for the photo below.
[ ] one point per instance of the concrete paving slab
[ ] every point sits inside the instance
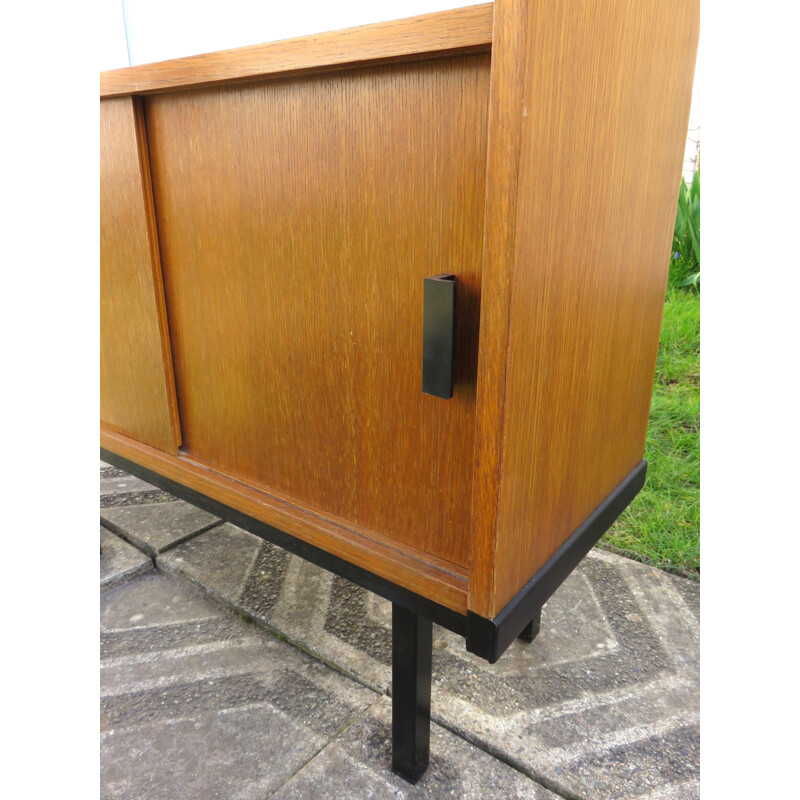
(220, 560)
(118, 488)
(603, 704)
(154, 603)
(610, 682)
(197, 703)
(324, 614)
(119, 561)
(357, 765)
(119, 482)
(156, 527)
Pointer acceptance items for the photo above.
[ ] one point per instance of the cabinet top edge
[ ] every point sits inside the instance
(460, 30)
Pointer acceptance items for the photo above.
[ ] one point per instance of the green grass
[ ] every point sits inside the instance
(662, 525)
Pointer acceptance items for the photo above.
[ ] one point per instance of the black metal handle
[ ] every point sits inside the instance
(438, 326)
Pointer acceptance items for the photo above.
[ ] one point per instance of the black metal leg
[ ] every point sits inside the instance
(532, 628)
(412, 641)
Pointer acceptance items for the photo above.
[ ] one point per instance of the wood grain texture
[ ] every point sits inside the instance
(457, 30)
(137, 394)
(505, 135)
(416, 572)
(605, 108)
(298, 219)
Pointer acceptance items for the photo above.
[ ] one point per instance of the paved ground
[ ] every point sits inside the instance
(231, 669)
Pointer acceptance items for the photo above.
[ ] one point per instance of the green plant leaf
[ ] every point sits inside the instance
(691, 280)
(684, 270)
(680, 225)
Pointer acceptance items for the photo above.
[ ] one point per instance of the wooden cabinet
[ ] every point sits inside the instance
(137, 392)
(298, 218)
(269, 216)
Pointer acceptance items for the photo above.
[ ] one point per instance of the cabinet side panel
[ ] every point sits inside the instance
(506, 86)
(137, 395)
(606, 107)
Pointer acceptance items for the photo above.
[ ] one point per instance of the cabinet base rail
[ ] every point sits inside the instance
(413, 615)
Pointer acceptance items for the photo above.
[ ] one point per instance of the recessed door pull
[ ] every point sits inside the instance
(438, 327)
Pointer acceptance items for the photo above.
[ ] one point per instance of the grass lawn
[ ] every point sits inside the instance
(662, 525)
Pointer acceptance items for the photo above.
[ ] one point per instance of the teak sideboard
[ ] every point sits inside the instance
(391, 297)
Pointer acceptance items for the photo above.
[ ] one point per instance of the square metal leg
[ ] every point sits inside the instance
(412, 642)
(532, 628)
